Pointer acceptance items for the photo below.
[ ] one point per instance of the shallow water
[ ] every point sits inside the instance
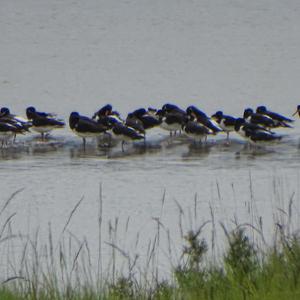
(55, 175)
(74, 55)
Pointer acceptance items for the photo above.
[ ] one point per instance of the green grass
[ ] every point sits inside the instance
(245, 272)
(247, 269)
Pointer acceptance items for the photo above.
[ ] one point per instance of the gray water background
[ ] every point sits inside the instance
(64, 56)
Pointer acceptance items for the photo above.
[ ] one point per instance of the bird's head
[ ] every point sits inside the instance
(217, 116)
(4, 112)
(261, 109)
(248, 112)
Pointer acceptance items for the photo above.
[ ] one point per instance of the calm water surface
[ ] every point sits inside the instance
(73, 55)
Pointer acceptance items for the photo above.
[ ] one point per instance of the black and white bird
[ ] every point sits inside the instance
(135, 123)
(123, 133)
(31, 111)
(263, 138)
(6, 114)
(85, 127)
(149, 121)
(196, 131)
(226, 122)
(257, 118)
(254, 133)
(242, 126)
(7, 131)
(43, 122)
(20, 123)
(171, 122)
(280, 119)
(202, 118)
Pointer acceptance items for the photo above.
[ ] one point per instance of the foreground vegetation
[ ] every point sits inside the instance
(244, 273)
(247, 269)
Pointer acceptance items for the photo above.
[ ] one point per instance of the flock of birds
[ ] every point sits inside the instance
(256, 127)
